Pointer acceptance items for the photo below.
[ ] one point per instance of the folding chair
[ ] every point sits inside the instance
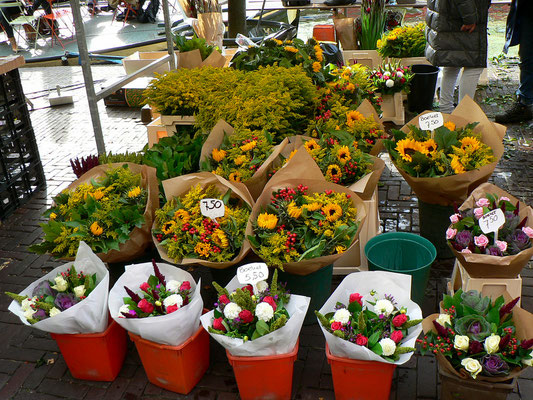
(126, 8)
(22, 20)
(58, 19)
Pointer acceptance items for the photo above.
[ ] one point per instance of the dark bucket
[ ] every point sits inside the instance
(422, 88)
(434, 220)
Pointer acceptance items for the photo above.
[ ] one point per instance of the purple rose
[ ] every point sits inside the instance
(43, 289)
(494, 251)
(494, 365)
(520, 240)
(463, 239)
(64, 301)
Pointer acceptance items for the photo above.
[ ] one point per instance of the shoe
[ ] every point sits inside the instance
(517, 113)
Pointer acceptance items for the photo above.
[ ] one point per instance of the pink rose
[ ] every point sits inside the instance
(223, 299)
(361, 340)
(467, 251)
(356, 297)
(172, 308)
(483, 202)
(478, 212)
(502, 245)
(450, 233)
(481, 241)
(503, 198)
(455, 218)
(336, 326)
(145, 286)
(399, 320)
(396, 336)
(145, 306)
(218, 325)
(528, 231)
(186, 285)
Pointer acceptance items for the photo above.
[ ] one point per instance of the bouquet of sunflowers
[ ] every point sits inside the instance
(404, 41)
(110, 208)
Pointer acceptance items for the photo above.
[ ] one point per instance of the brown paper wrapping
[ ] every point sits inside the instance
(456, 188)
(487, 266)
(366, 108)
(193, 59)
(291, 176)
(210, 27)
(523, 321)
(140, 238)
(180, 185)
(257, 182)
(345, 30)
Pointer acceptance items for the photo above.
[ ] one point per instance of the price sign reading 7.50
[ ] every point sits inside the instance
(212, 208)
(492, 222)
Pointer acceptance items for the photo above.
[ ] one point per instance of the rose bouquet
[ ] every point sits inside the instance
(266, 322)
(390, 78)
(110, 208)
(403, 41)
(70, 299)
(158, 302)
(476, 338)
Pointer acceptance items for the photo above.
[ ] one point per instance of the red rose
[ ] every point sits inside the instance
(399, 320)
(145, 286)
(217, 324)
(270, 301)
(361, 340)
(356, 297)
(336, 326)
(246, 316)
(172, 308)
(146, 306)
(186, 285)
(249, 288)
(396, 336)
(223, 299)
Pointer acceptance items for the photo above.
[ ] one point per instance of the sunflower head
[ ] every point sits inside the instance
(428, 147)
(182, 215)
(340, 249)
(343, 154)
(202, 249)
(133, 193)
(267, 221)
(332, 212)
(450, 125)
(471, 143)
(313, 206)
(316, 66)
(406, 148)
(96, 229)
(291, 49)
(333, 173)
(311, 145)
(168, 227)
(235, 176)
(98, 194)
(458, 168)
(353, 116)
(220, 238)
(53, 216)
(218, 155)
(293, 210)
(240, 159)
(249, 146)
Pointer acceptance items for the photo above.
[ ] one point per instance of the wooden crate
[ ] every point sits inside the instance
(178, 120)
(369, 58)
(139, 60)
(157, 130)
(392, 108)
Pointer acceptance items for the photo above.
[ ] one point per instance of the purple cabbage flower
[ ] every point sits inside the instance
(493, 365)
(494, 251)
(43, 289)
(65, 300)
(39, 314)
(463, 239)
(519, 240)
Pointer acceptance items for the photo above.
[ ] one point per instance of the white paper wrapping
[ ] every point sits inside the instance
(281, 341)
(171, 329)
(397, 285)
(87, 316)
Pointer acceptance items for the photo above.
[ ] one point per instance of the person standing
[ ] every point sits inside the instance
(456, 36)
(520, 31)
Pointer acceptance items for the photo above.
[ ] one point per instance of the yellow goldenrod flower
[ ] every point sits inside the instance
(267, 221)
(240, 160)
(450, 125)
(328, 233)
(249, 146)
(471, 142)
(235, 176)
(182, 215)
(340, 249)
(458, 168)
(406, 148)
(355, 144)
(220, 238)
(316, 66)
(313, 206)
(293, 210)
(218, 155)
(202, 249)
(291, 49)
(333, 173)
(343, 155)
(311, 145)
(135, 192)
(96, 229)
(53, 216)
(352, 116)
(332, 212)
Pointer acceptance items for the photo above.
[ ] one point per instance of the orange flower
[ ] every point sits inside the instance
(450, 125)
(218, 155)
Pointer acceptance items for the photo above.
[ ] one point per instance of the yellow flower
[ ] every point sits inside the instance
(240, 160)
(202, 249)
(249, 146)
(406, 148)
(311, 145)
(332, 211)
(182, 215)
(293, 210)
(328, 233)
(333, 173)
(428, 147)
(391, 37)
(267, 221)
(350, 86)
(343, 155)
(291, 49)
(235, 176)
(318, 53)
(379, 43)
(316, 66)
(96, 229)
(218, 155)
(450, 125)
(340, 249)
(313, 206)
(278, 42)
(135, 192)
(355, 144)
(220, 238)
(291, 155)
(458, 168)
(471, 142)
(98, 194)
(352, 116)
(53, 216)
(167, 227)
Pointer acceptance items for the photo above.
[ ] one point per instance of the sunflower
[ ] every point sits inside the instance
(471, 143)
(333, 172)
(313, 206)
(352, 116)
(182, 215)
(202, 249)
(133, 193)
(235, 176)
(249, 146)
(98, 194)
(218, 155)
(278, 42)
(458, 168)
(311, 145)
(316, 66)
(340, 249)
(167, 227)
(96, 229)
(350, 87)
(343, 155)
(332, 212)
(391, 37)
(428, 147)
(293, 210)
(407, 147)
(240, 160)
(291, 49)
(220, 238)
(450, 125)
(267, 221)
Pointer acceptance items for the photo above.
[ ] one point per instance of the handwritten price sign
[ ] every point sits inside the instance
(492, 221)
(252, 273)
(212, 208)
(431, 121)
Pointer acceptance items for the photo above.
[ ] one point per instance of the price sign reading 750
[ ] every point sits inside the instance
(212, 208)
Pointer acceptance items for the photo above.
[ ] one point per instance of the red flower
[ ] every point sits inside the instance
(396, 336)
(270, 301)
(223, 299)
(246, 316)
(336, 326)
(146, 306)
(475, 347)
(172, 308)
(145, 286)
(356, 297)
(361, 340)
(186, 285)
(217, 324)
(399, 320)
(249, 288)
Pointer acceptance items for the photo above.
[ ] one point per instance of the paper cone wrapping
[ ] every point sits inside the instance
(193, 59)
(87, 316)
(456, 188)
(485, 265)
(366, 108)
(179, 186)
(258, 181)
(302, 169)
(345, 29)
(211, 27)
(140, 238)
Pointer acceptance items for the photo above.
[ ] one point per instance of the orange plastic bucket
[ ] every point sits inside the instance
(175, 368)
(268, 377)
(360, 380)
(94, 356)
(324, 33)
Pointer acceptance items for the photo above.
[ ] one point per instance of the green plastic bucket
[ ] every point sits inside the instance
(404, 253)
(434, 219)
(316, 285)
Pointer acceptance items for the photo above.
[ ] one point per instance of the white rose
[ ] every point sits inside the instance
(61, 284)
(263, 311)
(172, 300)
(529, 362)
(123, 309)
(29, 313)
(387, 73)
(384, 307)
(472, 366)
(461, 342)
(492, 344)
(342, 316)
(232, 310)
(79, 291)
(388, 346)
(54, 311)
(399, 74)
(261, 286)
(444, 319)
(389, 83)
(26, 304)
(173, 286)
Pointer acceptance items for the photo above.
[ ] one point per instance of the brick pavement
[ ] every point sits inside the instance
(66, 132)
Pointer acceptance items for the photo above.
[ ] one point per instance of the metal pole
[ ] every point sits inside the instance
(168, 34)
(87, 75)
(236, 17)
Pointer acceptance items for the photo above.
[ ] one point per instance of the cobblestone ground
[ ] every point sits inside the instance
(66, 132)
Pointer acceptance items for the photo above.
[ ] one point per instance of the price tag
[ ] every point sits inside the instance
(252, 273)
(430, 121)
(212, 208)
(492, 221)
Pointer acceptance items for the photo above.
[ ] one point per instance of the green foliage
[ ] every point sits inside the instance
(182, 44)
(220, 290)
(107, 158)
(18, 298)
(243, 299)
(323, 320)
